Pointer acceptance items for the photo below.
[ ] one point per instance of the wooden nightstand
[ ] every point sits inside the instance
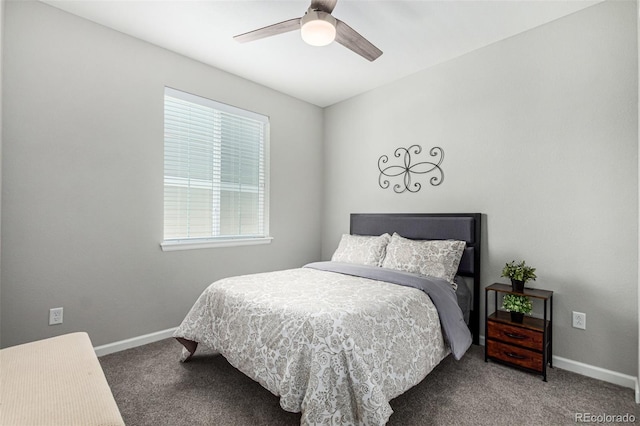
(527, 345)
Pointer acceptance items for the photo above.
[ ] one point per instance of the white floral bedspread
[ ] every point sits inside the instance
(335, 347)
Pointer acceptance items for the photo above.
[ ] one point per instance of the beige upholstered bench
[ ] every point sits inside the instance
(55, 381)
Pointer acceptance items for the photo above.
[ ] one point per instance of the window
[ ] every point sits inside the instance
(215, 173)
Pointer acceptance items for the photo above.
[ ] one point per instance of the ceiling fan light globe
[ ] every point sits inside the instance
(318, 33)
(318, 28)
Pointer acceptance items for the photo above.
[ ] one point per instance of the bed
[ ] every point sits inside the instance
(338, 340)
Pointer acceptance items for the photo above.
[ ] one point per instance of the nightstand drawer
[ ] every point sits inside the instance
(514, 355)
(515, 335)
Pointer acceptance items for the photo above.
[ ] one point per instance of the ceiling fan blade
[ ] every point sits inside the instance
(323, 5)
(349, 38)
(271, 30)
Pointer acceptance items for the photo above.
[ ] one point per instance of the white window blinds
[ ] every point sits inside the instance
(215, 171)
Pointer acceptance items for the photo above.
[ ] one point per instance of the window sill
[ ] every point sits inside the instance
(203, 244)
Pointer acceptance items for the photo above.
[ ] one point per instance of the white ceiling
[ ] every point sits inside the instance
(413, 35)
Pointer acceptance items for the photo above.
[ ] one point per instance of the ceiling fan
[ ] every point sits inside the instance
(318, 28)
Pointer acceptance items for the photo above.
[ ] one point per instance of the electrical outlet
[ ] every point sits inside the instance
(55, 316)
(579, 320)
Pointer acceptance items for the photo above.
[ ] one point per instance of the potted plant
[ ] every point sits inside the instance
(517, 305)
(519, 274)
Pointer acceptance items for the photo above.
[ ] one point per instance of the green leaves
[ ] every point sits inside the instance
(515, 303)
(519, 271)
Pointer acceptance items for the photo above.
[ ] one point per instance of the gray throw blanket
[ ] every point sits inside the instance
(440, 291)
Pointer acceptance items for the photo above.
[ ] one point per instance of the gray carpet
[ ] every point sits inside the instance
(153, 388)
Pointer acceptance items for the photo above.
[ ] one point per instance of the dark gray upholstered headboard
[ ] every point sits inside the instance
(433, 226)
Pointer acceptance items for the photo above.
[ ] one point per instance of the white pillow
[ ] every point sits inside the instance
(436, 258)
(361, 249)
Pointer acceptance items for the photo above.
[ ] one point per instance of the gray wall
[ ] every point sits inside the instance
(83, 180)
(540, 134)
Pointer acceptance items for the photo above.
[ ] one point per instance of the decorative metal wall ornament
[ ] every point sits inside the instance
(407, 169)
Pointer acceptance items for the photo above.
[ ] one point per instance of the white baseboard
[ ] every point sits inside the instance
(594, 372)
(133, 342)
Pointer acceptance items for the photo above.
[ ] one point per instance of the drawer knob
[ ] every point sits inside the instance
(515, 336)
(514, 355)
